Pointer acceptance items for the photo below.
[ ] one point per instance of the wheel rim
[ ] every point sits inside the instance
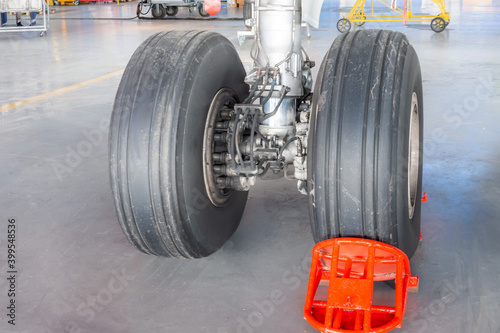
(438, 24)
(344, 25)
(158, 11)
(202, 11)
(413, 155)
(224, 100)
(361, 22)
(171, 10)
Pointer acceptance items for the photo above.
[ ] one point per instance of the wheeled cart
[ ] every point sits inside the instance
(27, 6)
(161, 8)
(67, 2)
(358, 16)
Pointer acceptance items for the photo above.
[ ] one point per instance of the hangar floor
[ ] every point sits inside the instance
(77, 273)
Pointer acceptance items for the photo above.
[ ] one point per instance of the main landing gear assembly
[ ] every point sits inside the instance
(192, 132)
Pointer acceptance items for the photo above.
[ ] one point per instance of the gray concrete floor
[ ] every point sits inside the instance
(77, 273)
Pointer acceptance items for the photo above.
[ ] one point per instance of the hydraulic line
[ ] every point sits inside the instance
(282, 149)
(254, 124)
(233, 142)
(266, 99)
(270, 114)
(254, 87)
(269, 95)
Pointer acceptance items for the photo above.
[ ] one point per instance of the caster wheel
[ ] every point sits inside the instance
(438, 24)
(343, 25)
(172, 10)
(161, 132)
(359, 24)
(158, 11)
(201, 10)
(366, 131)
(76, 2)
(42, 33)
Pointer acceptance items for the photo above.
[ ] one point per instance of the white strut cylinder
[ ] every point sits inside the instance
(279, 40)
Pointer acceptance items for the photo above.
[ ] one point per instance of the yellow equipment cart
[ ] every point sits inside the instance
(358, 16)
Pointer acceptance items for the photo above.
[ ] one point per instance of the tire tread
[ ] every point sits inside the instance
(354, 174)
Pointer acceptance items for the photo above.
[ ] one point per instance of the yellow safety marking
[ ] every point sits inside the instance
(60, 91)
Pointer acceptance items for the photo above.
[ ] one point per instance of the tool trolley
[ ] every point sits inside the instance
(358, 16)
(161, 8)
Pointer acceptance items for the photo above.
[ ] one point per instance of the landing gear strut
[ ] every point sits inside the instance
(192, 133)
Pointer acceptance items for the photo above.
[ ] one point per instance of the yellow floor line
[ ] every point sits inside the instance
(60, 91)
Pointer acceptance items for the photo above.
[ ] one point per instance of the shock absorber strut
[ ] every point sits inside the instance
(277, 46)
(264, 131)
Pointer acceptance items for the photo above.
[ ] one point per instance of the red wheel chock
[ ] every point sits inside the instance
(350, 266)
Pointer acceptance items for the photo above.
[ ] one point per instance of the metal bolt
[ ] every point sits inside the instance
(223, 182)
(219, 157)
(220, 169)
(222, 125)
(226, 114)
(220, 137)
